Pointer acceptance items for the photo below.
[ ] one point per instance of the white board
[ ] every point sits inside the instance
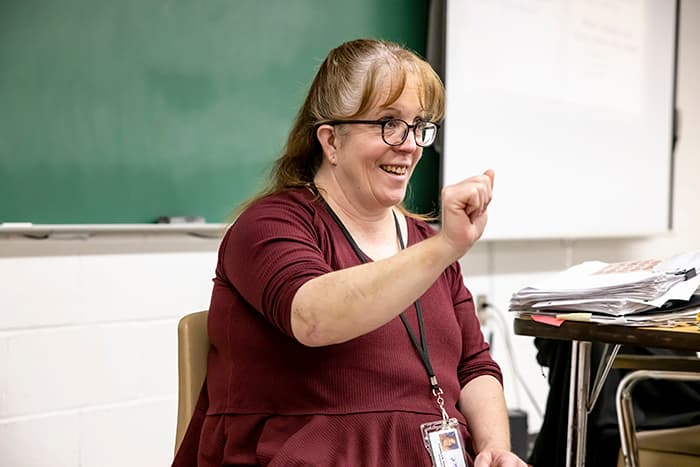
(571, 102)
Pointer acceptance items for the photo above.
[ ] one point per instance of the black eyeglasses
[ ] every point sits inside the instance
(395, 130)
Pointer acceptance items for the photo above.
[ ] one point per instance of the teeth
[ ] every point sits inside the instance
(395, 169)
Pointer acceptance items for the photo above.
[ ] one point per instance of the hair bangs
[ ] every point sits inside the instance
(385, 82)
(432, 92)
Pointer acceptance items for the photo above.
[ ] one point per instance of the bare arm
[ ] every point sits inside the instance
(345, 304)
(483, 405)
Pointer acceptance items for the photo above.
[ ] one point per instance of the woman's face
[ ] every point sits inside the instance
(370, 172)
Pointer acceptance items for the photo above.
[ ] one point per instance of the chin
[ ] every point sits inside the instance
(390, 196)
(394, 200)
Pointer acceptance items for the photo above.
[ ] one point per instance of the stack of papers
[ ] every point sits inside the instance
(650, 292)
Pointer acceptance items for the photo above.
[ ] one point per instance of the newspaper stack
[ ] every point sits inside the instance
(632, 292)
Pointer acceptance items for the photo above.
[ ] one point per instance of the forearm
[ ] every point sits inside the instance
(348, 303)
(483, 405)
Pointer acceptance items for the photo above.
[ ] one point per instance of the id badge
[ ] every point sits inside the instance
(444, 443)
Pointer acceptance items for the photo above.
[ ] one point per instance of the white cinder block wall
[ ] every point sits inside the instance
(88, 360)
(88, 347)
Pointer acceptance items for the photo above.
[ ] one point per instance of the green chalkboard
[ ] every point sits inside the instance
(118, 112)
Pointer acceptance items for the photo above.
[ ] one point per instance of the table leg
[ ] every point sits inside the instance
(578, 401)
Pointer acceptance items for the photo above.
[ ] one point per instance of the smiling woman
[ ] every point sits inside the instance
(328, 283)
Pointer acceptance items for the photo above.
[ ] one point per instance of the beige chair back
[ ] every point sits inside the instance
(192, 351)
(669, 447)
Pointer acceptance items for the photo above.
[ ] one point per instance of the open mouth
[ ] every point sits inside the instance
(395, 169)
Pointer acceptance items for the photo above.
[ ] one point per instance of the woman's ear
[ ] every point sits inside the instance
(326, 136)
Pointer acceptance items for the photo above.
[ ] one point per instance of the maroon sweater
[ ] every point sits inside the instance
(273, 401)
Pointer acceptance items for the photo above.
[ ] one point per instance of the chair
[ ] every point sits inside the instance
(192, 351)
(672, 447)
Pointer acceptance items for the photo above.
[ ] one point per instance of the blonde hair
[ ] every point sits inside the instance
(352, 80)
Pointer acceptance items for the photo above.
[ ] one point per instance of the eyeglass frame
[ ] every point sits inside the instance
(383, 122)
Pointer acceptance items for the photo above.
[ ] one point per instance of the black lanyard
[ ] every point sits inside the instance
(422, 346)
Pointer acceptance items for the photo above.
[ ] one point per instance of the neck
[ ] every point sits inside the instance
(373, 242)
(373, 230)
(351, 212)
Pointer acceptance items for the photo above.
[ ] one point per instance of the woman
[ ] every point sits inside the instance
(341, 331)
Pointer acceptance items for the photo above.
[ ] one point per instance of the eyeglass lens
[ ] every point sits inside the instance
(395, 132)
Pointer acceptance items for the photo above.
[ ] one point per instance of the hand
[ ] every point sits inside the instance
(498, 458)
(464, 207)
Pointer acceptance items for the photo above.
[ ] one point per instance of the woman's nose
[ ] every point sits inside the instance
(409, 144)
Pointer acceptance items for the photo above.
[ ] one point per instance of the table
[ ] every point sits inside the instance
(581, 334)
